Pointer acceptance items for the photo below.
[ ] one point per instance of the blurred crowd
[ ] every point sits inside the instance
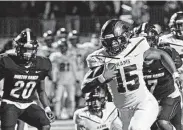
(77, 14)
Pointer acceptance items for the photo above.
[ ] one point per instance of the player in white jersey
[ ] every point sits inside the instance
(99, 114)
(120, 64)
(64, 76)
(79, 51)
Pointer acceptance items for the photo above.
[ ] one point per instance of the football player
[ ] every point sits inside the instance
(46, 49)
(120, 63)
(64, 77)
(98, 113)
(79, 52)
(23, 74)
(175, 38)
(61, 33)
(161, 84)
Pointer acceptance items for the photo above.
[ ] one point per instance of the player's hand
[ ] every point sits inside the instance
(178, 80)
(109, 71)
(50, 115)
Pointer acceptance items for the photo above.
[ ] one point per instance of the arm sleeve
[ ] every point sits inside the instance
(175, 56)
(89, 83)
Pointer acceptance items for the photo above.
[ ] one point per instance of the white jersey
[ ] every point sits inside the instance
(175, 43)
(63, 69)
(128, 88)
(79, 53)
(110, 120)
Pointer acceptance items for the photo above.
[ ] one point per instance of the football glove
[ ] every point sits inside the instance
(49, 114)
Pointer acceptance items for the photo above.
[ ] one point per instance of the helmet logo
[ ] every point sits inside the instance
(118, 31)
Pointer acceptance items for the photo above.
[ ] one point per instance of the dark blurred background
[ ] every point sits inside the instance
(85, 16)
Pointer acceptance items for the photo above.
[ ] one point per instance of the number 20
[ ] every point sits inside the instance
(26, 91)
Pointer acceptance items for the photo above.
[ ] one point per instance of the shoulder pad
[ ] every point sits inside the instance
(77, 118)
(96, 58)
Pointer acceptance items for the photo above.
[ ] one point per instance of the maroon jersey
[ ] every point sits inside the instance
(20, 82)
(158, 79)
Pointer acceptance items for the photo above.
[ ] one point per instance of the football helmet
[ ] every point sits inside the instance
(149, 31)
(62, 45)
(61, 33)
(73, 37)
(114, 36)
(48, 38)
(96, 100)
(176, 23)
(26, 45)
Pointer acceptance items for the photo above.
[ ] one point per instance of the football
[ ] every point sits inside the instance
(98, 70)
(110, 66)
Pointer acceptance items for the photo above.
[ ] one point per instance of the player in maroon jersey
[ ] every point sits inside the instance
(161, 83)
(23, 74)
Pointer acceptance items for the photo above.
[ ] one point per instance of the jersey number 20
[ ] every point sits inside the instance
(23, 89)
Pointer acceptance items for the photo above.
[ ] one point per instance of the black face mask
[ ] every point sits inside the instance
(115, 45)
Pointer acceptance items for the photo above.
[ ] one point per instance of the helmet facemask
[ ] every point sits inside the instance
(114, 36)
(95, 101)
(62, 44)
(27, 51)
(179, 27)
(115, 45)
(152, 37)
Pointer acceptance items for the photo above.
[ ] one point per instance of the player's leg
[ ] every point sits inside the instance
(144, 115)
(71, 99)
(9, 116)
(35, 116)
(176, 112)
(57, 100)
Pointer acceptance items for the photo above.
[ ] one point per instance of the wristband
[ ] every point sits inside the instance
(47, 109)
(175, 75)
(101, 78)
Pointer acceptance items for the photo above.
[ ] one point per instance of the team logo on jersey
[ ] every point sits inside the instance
(102, 126)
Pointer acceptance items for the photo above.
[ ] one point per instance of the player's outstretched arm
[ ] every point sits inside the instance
(166, 60)
(45, 102)
(157, 54)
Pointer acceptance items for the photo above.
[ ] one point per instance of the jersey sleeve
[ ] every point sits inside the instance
(77, 118)
(175, 56)
(95, 59)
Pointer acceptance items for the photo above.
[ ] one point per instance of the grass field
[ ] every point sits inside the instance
(59, 125)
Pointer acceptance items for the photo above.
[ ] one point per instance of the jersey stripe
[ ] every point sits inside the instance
(90, 119)
(111, 114)
(134, 47)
